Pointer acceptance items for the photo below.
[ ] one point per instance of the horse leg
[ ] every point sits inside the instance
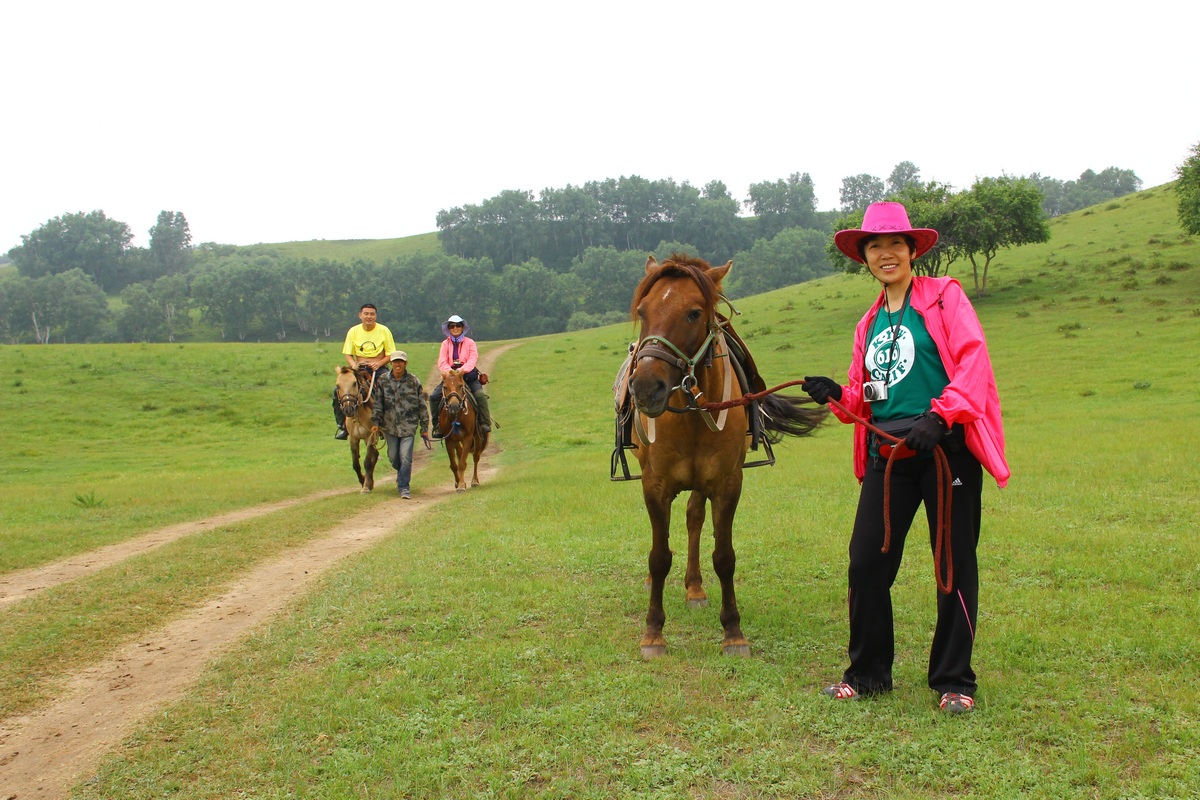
(659, 509)
(724, 563)
(692, 580)
(476, 452)
(460, 481)
(356, 461)
(458, 465)
(369, 467)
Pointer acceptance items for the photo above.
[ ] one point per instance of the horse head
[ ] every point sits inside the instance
(676, 304)
(349, 391)
(453, 391)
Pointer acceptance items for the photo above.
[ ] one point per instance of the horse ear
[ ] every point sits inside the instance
(651, 264)
(718, 273)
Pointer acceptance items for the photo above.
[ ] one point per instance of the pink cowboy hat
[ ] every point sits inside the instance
(884, 218)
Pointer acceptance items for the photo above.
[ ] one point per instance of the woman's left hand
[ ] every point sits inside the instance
(926, 434)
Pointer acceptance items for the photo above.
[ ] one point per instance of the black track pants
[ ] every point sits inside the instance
(872, 573)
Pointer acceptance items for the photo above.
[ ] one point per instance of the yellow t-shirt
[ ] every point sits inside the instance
(368, 344)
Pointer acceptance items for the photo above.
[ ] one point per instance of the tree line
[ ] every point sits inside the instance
(515, 265)
(627, 213)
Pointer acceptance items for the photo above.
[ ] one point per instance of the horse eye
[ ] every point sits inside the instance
(693, 315)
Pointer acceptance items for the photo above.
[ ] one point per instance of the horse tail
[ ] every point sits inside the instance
(785, 414)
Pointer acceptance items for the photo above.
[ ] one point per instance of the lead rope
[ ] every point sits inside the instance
(945, 490)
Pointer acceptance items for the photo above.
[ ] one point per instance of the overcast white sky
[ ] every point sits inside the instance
(281, 121)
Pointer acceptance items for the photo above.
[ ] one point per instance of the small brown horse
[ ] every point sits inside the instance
(683, 354)
(457, 423)
(354, 397)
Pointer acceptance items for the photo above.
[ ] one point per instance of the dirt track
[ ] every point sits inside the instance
(45, 752)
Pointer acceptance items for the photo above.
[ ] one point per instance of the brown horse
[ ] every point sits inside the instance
(681, 361)
(354, 397)
(457, 423)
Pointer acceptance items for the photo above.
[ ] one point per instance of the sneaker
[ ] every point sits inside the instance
(436, 433)
(955, 703)
(841, 691)
(341, 434)
(404, 495)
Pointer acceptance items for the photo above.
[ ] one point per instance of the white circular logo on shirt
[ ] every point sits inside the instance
(880, 355)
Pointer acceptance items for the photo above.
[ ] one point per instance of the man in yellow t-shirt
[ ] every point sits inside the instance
(367, 346)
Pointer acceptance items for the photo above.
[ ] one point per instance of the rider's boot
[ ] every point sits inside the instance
(340, 417)
(435, 405)
(485, 416)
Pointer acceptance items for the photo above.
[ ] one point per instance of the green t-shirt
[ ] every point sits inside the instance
(911, 365)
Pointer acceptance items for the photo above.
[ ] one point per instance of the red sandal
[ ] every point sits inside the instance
(955, 703)
(841, 691)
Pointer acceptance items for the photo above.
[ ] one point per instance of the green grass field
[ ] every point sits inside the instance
(491, 650)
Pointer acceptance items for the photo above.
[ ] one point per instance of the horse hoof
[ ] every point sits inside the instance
(739, 650)
(653, 651)
(364, 490)
(460, 488)
(701, 602)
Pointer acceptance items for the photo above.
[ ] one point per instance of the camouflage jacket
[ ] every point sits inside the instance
(400, 405)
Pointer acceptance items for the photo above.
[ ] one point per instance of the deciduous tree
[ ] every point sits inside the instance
(141, 319)
(92, 243)
(793, 256)
(997, 213)
(859, 191)
(170, 243)
(783, 204)
(904, 176)
(1188, 190)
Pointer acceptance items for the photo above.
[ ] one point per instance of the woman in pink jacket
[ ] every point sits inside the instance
(459, 352)
(921, 372)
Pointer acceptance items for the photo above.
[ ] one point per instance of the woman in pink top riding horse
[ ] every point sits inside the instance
(459, 352)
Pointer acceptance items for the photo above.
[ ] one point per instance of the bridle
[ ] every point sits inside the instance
(662, 348)
(350, 403)
(459, 395)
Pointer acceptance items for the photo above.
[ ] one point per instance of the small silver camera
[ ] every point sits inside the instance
(875, 391)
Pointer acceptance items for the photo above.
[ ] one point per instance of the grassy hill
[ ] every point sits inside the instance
(348, 250)
(491, 649)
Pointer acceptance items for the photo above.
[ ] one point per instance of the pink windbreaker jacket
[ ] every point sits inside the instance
(970, 397)
(468, 354)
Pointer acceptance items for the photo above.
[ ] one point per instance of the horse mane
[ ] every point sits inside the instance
(676, 266)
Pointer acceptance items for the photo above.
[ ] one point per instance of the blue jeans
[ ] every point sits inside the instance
(400, 454)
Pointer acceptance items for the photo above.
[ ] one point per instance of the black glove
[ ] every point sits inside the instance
(822, 389)
(926, 434)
